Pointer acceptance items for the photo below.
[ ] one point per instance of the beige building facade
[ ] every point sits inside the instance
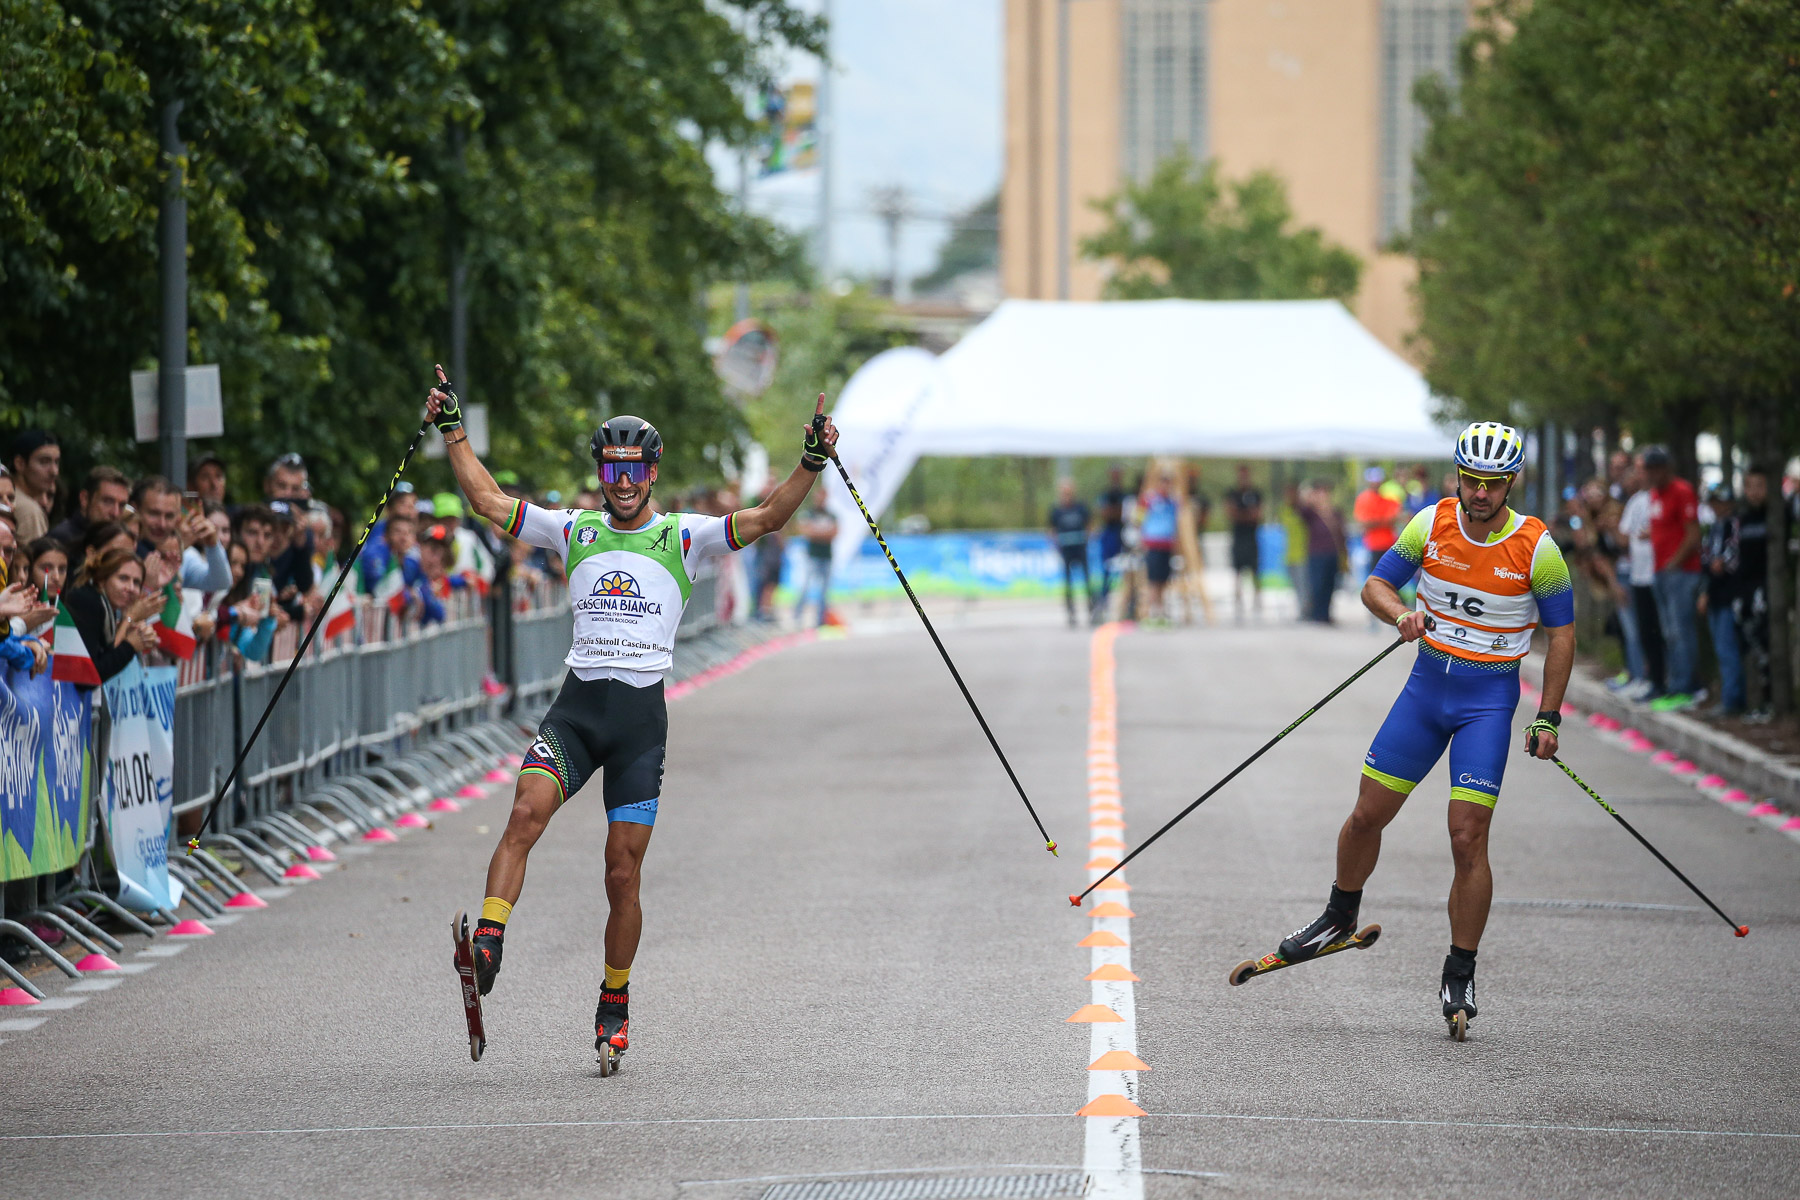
(1318, 91)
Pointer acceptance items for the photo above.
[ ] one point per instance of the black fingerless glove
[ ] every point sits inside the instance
(450, 414)
(813, 451)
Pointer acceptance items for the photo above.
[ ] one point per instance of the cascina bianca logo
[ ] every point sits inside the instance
(616, 583)
(616, 593)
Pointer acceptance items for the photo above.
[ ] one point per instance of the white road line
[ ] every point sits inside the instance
(630, 1123)
(1113, 1155)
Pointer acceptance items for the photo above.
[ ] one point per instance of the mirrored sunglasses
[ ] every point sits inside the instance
(622, 472)
(1472, 482)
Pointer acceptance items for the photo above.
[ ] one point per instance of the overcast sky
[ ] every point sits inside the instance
(916, 102)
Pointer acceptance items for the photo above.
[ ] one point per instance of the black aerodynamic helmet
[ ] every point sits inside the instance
(623, 433)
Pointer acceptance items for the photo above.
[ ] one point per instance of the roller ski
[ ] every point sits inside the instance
(464, 960)
(612, 1023)
(1458, 995)
(1345, 940)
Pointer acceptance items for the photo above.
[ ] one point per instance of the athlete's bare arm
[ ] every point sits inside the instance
(485, 496)
(1559, 660)
(780, 505)
(1380, 597)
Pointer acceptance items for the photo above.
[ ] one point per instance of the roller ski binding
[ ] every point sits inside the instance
(463, 957)
(1250, 968)
(1333, 930)
(611, 1026)
(1458, 995)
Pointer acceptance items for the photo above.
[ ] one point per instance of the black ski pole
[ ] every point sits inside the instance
(1740, 930)
(1049, 843)
(1235, 771)
(318, 619)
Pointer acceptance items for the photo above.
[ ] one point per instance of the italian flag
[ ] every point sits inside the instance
(70, 660)
(340, 618)
(175, 626)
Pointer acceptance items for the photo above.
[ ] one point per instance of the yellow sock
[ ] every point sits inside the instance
(495, 909)
(617, 977)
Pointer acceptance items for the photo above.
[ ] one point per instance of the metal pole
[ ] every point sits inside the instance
(742, 307)
(822, 119)
(1062, 149)
(171, 379)
(459, 272)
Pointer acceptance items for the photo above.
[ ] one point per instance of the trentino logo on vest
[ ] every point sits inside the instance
(618, 592)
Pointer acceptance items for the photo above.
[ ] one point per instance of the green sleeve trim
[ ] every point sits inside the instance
(1411, 545)
(1549, 571)
(1392, 783)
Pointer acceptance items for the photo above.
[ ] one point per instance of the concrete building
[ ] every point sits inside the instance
(1319, 91)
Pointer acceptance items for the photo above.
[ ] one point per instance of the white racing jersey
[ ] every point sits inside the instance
(628, 587)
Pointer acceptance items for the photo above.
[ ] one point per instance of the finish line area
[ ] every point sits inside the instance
(859, 964)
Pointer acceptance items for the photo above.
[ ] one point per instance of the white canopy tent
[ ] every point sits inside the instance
(1281, 379)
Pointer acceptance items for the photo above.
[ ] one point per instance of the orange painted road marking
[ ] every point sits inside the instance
(1118, 1060)
(1110, 1105)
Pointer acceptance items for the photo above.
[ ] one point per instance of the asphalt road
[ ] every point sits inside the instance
(858, 962)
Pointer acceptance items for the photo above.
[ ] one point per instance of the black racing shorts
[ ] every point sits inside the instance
(1159, 565)
(1243, 550)
(610, 726)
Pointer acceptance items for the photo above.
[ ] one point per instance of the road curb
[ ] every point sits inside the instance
(1754, 770)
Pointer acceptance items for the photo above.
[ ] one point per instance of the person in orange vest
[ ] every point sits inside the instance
(1377, 511)
(1488, 576)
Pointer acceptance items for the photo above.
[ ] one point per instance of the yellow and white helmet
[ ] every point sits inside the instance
(1490, 448)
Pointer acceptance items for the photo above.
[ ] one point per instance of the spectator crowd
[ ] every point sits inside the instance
(124, 559)
(1680, 577)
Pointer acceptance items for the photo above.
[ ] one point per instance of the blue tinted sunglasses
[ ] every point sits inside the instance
(623, 472)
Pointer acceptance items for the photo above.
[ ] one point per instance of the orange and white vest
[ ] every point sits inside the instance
(1481, 594)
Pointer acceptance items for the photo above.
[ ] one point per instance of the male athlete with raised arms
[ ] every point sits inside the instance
(630, 571)
(1487, 578)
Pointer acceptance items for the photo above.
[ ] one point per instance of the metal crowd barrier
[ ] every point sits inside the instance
(372, 725)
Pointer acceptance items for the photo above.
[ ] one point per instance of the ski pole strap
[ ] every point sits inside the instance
(1540, 726)
(812, 449)
(450, 413)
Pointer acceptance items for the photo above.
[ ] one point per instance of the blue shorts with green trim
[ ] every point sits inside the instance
(1448, 701)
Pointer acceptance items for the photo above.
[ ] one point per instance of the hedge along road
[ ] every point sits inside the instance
(858, 959)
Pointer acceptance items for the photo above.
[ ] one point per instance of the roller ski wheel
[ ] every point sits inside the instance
(1250, 968)
(1458, 995)
(463, 958)
(612, 1028)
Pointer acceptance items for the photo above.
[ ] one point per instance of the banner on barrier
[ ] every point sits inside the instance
(46, 773)
(140, 783)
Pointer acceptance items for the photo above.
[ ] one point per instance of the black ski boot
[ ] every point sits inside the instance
(1334, 925)
(612, 1024)
(486, 945)
(1458, 993)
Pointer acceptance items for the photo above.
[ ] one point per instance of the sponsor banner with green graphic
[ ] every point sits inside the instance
(46, 773)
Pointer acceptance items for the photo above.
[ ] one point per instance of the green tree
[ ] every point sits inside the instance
(1188, 232)
(1609, 229)
(336, 150)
